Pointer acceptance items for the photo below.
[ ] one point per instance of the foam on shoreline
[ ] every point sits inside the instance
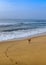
(20, 35)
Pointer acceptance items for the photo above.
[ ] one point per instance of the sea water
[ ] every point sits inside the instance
(11, 29)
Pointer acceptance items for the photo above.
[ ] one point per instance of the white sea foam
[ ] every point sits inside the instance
(4, 36)
(7, 23)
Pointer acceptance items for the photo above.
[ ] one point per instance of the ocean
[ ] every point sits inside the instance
(11, 29)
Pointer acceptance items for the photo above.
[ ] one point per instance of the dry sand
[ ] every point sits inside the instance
(23, 53)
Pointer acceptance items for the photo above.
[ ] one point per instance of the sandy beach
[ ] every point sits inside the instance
(23, 53)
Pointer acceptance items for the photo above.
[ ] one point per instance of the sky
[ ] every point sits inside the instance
(22, 9)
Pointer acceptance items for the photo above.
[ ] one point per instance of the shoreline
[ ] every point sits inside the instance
(22, 53)
(26, 38)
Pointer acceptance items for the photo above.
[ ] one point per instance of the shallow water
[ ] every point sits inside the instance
(21, 28)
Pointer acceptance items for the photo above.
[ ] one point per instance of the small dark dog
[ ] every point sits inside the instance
(29, 40)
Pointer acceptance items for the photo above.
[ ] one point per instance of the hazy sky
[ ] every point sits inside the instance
(23, 9)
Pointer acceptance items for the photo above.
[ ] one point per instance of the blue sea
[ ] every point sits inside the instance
(11, 29)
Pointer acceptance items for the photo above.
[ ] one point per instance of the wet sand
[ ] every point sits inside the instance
(23, 52)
